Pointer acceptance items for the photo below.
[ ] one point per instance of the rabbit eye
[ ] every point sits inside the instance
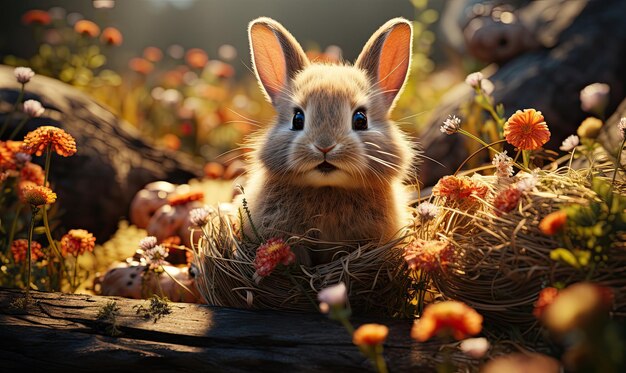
(297, 123)
(359, 120)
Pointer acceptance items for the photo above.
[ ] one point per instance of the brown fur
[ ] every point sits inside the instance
(364, 199)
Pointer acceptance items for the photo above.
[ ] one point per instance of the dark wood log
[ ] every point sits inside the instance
(591, 49)
(113, 162)
(61, 332)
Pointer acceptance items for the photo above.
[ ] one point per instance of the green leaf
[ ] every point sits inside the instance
(564, 255)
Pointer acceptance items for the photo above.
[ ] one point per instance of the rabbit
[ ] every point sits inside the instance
(332, 165)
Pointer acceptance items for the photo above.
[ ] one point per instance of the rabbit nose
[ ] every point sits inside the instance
(326, 149)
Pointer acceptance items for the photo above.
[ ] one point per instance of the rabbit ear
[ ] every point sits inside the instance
(276, 55)
(387, 56)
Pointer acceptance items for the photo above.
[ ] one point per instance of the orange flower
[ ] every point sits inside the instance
(459, 187)
(448, 317)
(36, 17)
(196, 58)
(506, 200)
(87, 28)
(19, 249)
(526, 130)
(577, 306)
(546, 298)
(37, 195)
(140, 65)
(112, 36)
(370, 335)
(8, 150)
(273, 252)
(152, 54)
(77, 242)
(428, 255)
(61, 142)
(553, 223)
(32, 172)
(184, 198)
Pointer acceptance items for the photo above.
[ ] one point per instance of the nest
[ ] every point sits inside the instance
(502, 260)
(375, 275)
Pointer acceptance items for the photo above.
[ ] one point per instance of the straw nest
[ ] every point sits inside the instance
(375, 275)
(502, 261)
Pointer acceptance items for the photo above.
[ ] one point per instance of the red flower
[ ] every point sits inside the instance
(272, 253)
(87, 28)
(32, 172)
(428, 255)
(19, 249)
(36, 17)
(546, 298)
(448, 317)
(507, 200)
(112, 36)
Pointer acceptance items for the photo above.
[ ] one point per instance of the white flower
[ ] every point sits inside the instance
(332, 296)
(621, 127)
(451, 125)
(570, 143)
(594, 97)
(33, 108)
(103, 4)
(23, 74)
(529, 182)
(474, 79)
(147, 243)
(156, 255)
(427, 211)
(475, 347)
(199, 217)
(504, 164)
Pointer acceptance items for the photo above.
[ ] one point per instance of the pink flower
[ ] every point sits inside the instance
(23, 74)
(33, 108)
(335, 295)
(272, 253)
(594, 97)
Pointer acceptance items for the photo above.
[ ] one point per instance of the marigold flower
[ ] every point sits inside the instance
(199, 217)
(475, 347)
(335, 295)
(594, 98)
(370, 335)
(590, 128)
(33, 108)
(23, 74)
(140, 65)
(36, 17)
(546, 298)
(152, 54)
(428, 255)
(8, 153)
(621, 128)
(427, 211)
(577, 306)
(272, 253)
(19, 249)
(459, 188)
(32, 172)
(553, 223)
(451, 125)
(112, 36)
(87, 28)
(570, 143)
(61, 142)
(77, 242)
(507, 200)
(196, 58)
(447, 317)
(147, 243)
(474, 79)
(503, 164)
(526, 130)
(37, 195)
(184, 198)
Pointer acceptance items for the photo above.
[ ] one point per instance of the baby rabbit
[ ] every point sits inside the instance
(331, 167)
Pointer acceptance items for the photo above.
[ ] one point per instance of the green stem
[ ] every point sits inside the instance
(475, 153)
(73, 283)
(346, 324)
(14, 225)
(379, 360)
(30, 240)
(52, 243)
(5, 125)
(47, 165)
(18, 128)
(526, 158)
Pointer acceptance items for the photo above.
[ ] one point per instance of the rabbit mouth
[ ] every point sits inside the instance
(326, 167)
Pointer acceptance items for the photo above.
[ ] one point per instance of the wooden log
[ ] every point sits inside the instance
(61, 331)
